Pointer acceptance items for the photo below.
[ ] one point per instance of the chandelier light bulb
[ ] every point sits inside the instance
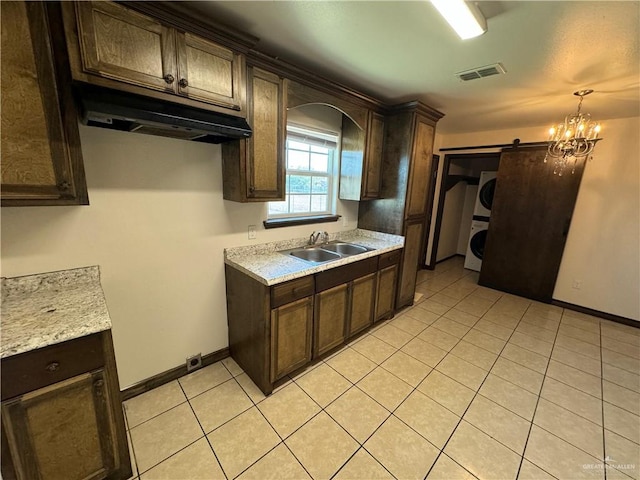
(573, 140)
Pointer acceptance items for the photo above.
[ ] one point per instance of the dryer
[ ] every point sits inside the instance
(475, 247)
(484, 200)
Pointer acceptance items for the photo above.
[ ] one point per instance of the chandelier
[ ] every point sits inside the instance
(573, 140)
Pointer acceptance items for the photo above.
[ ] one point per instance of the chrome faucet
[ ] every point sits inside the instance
(315, 236)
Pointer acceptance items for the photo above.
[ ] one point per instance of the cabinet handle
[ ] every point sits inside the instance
(52, 367)
(252, 189)
(169, 78)
(64, 186)
(183, 83)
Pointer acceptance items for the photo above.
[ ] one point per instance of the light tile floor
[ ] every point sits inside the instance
(468, 383)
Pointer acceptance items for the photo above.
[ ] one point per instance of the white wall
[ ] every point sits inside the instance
(450, 226)
(157, 226)
(466, 217)
(603, 246)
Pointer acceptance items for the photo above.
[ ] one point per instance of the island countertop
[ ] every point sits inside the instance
(265, 263)
(49, 308)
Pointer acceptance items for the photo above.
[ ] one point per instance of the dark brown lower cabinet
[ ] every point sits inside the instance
(72, 428)
(291, 326)
(276, 330)
(413, 238)
(387, 281)
(345, 301)
(330, 318)
(530, 219)
(363, 297)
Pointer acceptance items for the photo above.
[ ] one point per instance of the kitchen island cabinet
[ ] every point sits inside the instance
(283, 313)
(61, 409)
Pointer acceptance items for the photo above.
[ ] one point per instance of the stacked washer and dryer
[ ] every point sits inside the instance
(480, 222)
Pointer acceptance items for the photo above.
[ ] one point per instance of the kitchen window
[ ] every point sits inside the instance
(310, 172)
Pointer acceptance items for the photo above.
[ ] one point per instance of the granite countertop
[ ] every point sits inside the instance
(49, 308)
(266, 264)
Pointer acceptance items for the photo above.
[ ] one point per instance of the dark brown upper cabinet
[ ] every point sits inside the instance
(41, 156)
(253, 169)
(113, 46)
(361, 158)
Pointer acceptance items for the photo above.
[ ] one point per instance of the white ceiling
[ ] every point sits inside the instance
(403, 50)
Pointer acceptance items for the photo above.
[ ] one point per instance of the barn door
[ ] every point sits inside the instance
(530, 220)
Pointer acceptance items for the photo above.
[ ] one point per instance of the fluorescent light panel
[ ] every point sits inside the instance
(464, 18)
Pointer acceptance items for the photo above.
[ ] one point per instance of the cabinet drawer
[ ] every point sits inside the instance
(291, 291)
(389, 258)
(336, 276)
(45, 366)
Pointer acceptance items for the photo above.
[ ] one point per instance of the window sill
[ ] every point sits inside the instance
(293, 221)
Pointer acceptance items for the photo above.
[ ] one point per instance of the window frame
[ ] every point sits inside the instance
(312, 137)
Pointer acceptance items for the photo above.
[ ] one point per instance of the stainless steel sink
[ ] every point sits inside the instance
(343, 248)
(326, 252)
(315, 255)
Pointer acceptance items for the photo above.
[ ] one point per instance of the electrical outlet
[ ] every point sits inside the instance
(194, 362)
(345, 221)
(577, 284)
(252, 232)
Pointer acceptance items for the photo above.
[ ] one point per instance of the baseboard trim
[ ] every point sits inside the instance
(170, 375)
(449, 258)
(597, 313)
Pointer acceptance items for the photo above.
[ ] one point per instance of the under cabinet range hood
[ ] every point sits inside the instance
(107, 108)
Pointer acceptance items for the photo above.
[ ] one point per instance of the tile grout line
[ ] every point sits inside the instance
(476, 393)
(604, 439)
(535, 410)
(202, 428)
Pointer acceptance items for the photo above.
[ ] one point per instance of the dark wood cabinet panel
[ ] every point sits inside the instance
(361, 158)
(361, 310)
(41, 157)
(72, 428)
(253, 169)
(114, 46)
(330, 318)
(413, 238)
(209, 72)
(530, 219)
(386, 296)
(127, 46)
(291, 327)
(420, 176)
(62, 431)
(406, 188)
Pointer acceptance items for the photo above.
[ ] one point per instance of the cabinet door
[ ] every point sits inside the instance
(210, 73)
(331, 307)
(41, 157)
(413, 236)
(63, 431)
(386, 292)
(118, 43)
(420, 168)
(363, 296)
(373, 156)
(253, 169)
(291, 337)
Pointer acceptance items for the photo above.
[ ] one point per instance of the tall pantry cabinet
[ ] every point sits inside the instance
(407, 186)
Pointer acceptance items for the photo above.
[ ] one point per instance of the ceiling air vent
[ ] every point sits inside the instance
(481, 72)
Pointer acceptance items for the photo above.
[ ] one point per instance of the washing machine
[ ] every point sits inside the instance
(475, 247)
(486, 188)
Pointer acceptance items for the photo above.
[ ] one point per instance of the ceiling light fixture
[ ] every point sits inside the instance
(465, 18)
(572, 140)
